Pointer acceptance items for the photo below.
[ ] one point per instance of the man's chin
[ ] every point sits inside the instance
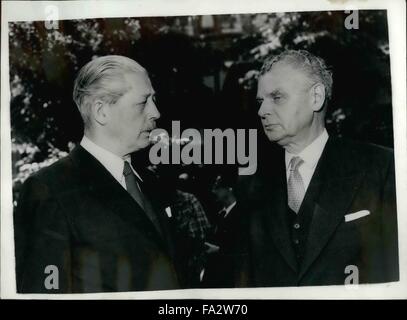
(280, 139)
(144, 143)
(274, 136)
(141, 144)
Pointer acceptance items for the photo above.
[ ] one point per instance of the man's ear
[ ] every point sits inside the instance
(100, 112)
(318, 96)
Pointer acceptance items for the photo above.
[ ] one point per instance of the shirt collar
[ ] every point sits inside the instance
(112, 162)
(311, 153)
(229, 208)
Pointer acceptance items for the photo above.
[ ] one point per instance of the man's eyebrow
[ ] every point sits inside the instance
(275, 92)
(147, 94)
(144, 97)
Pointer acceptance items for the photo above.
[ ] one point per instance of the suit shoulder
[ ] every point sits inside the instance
(368, 154)
(54, 176)
(367, 149)
(58, 167)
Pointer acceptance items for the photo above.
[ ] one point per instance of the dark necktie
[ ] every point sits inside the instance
(133, 188)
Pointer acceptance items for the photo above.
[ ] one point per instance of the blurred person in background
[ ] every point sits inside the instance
(221, 246)
(190, 224)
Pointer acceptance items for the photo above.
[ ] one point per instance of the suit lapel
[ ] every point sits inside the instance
(329, 195)
(152, 190)
(103, 187)
(276, 211)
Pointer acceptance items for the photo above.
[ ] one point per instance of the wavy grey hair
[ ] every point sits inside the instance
(97, 80)
(314, 67)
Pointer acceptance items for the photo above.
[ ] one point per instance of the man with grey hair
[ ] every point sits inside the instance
(90, 222)
(322, 210)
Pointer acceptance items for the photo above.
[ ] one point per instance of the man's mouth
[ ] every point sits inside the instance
(148, 130)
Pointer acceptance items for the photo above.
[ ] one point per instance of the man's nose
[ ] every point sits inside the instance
(153, 111)
(265, 108)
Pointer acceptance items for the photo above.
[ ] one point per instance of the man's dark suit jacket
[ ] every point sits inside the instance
(76, 216)
(349, 177)
(218, 270)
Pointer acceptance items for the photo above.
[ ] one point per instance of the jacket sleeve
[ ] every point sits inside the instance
(42, 241)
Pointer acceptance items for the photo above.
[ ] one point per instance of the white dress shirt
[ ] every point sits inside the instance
(113, 163)
(229, 208)
(310, 155)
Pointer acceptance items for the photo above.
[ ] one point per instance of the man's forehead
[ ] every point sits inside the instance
(140, 77)
(282, 75)
(138, 80)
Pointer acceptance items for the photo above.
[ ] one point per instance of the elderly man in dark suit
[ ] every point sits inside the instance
(321, 210)
(92, 217)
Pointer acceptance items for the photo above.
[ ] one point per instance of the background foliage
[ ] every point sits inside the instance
(204, 70)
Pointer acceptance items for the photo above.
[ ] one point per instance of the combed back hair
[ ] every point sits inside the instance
(313, 66)
(97, 80)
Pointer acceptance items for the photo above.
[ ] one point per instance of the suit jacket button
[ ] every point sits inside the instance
(296, 241)
(296, 226)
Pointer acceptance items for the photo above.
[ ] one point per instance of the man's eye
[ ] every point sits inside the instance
(277, 99)
(259, 102)
(141, 103)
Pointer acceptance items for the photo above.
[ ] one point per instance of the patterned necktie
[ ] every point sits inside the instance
(295, 185)
(133, 188)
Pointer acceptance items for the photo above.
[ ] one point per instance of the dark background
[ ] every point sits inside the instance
(204, 70)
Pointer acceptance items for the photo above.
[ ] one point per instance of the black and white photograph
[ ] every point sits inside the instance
(257, 149)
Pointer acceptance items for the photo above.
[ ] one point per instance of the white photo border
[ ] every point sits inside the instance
(35, 10)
